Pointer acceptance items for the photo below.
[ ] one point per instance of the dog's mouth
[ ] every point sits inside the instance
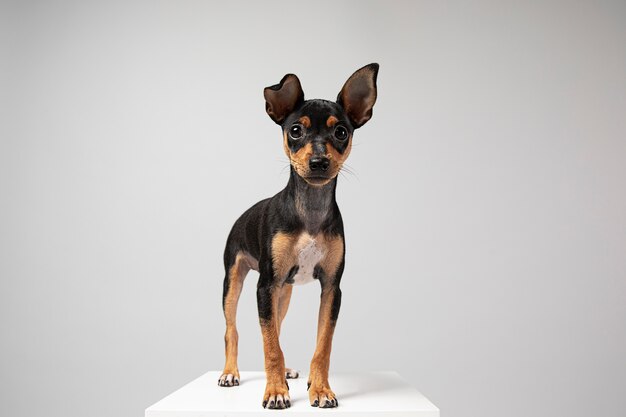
(318, 179)
(314, 177)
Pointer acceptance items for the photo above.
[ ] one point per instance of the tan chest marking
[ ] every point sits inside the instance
(306, 252)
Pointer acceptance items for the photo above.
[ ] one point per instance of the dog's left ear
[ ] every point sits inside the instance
(358, 95)
(283, 98)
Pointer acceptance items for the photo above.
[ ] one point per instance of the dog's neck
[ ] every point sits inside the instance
(314, 204)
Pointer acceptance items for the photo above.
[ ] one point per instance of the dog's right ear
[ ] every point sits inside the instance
(282, 98)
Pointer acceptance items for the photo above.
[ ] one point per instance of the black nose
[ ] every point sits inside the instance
(319, 163)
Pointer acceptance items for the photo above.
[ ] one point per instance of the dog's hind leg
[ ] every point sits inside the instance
(283, 306)
(233, 283)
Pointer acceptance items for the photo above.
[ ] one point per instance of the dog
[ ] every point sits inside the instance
(297, 237)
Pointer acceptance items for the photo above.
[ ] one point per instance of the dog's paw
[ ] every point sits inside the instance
(291, 373)
(322, 397)
(229, 379)
(276, 396)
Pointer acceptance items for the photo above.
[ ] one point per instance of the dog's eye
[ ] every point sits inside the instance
(295, 132)
(341, 133)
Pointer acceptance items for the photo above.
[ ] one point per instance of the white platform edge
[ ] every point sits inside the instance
(202, 398)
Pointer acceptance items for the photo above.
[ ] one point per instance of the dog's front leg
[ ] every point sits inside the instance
(320, 394)
(276, 389)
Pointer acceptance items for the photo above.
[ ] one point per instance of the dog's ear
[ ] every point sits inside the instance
(282, 98)
(358, 95)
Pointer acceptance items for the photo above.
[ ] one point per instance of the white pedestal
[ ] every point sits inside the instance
(359, 394)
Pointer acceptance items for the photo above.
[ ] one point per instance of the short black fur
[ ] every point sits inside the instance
(317, 137)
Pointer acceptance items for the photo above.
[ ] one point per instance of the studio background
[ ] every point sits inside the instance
(485, 217)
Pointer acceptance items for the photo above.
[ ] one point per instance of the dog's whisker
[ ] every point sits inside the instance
(348, 170)
(349, 167)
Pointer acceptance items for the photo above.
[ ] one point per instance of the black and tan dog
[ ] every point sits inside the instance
(297, 236)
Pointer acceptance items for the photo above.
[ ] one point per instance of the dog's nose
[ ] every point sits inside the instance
(319, 163)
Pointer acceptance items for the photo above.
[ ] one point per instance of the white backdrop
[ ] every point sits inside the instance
(485, 219)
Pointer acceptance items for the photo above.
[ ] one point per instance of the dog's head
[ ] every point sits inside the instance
(317, 134)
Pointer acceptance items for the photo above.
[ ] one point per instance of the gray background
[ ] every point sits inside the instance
(485, 219)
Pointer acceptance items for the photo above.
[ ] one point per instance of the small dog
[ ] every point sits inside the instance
(296, 236)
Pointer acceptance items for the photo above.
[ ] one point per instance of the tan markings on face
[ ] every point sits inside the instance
(300, 159)
(306, 122)
(286, 146)
(337, 159)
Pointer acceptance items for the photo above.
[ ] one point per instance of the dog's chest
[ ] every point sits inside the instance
(309, 252)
